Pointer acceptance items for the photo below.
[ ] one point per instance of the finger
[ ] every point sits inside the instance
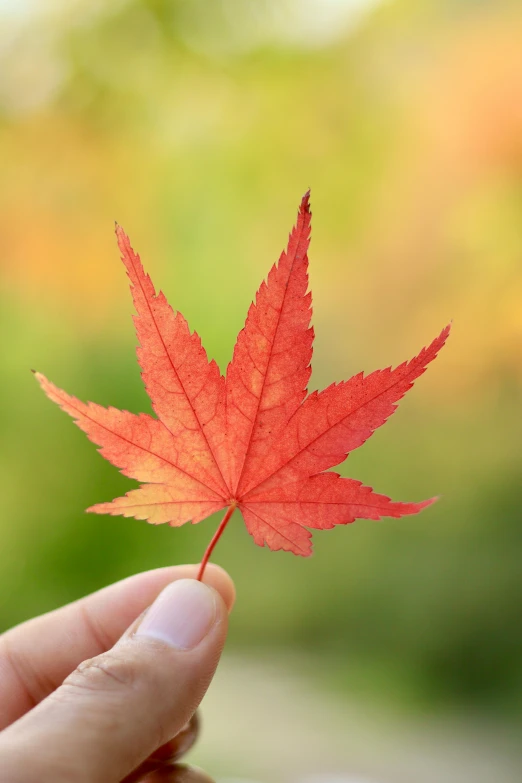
(169, 753)
(178, 774)
(114, 710)
(37, 656)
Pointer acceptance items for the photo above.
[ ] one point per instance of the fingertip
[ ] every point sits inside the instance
(140, 590)
(220, 580)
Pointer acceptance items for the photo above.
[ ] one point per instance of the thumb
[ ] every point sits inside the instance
(116, 709)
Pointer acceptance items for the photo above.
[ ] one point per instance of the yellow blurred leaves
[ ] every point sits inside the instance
(415, 163)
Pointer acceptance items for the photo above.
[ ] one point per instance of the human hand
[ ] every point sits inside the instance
(96, 691)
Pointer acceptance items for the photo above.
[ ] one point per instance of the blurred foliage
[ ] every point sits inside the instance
(198, 126)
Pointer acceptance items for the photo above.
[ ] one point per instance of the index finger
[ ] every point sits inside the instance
(38, 655)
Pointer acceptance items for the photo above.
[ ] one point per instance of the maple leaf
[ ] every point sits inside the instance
(253, 441)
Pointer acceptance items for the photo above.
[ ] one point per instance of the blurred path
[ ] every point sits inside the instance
(265, 724)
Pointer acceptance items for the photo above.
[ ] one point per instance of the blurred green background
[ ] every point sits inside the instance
(198, 126)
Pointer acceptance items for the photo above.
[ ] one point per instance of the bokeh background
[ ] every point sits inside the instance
(395, 653)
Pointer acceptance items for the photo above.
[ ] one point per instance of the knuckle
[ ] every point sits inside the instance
(106, 673)
(121, 682)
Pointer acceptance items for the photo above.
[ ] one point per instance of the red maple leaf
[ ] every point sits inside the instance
(253, 441)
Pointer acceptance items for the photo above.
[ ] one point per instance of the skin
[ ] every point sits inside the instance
(84, 700)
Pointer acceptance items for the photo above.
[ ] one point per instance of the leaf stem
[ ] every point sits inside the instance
(217, 535)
